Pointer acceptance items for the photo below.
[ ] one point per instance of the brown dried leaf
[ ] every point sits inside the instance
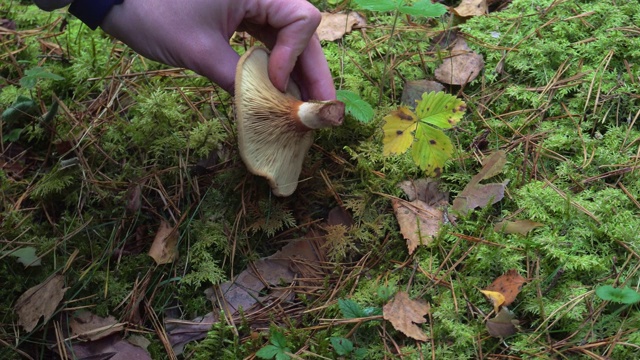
(164, 249)
(521, 227)
(112, 347)
(413, 90)
(503, 325)
(180, 332)
(480, 195)
(87, 326)
(334, 26)
(468, 8)
(461, 67)
(40, 300)
(404, 313)
(419, 222)
(509, 285)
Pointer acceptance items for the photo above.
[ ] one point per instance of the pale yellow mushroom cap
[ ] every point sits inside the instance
(275, 130)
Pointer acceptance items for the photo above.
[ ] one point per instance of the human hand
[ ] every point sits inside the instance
(195, 34)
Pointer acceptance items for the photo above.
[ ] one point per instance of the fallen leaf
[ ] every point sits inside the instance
(480, 195)
(164, 249)
(112, 347)
(496, 298)
(468, 8)
(521, 227)
(424, 189)
(180, 332)
(134, 196)
(404, 313)
(334, 26)
(419, 222)
(420, 218)
(413, 90)
(503, 325)
(25, 256)
(509, 285)
(40, 300)
(461, 67)
(87, 326)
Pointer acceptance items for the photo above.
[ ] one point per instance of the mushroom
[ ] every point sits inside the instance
(275, 129)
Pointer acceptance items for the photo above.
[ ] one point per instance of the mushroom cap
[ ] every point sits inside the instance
(274, 128)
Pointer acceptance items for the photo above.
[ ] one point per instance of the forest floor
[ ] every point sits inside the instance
(494, 215)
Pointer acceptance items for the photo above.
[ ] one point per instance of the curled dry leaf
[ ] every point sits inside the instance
(404, 313)
(503, 325)
(480, 195)
(164, 249)
(468, 8)
(334, 26)
(40, 300)
(496, 298)
(462, 67)
(509, 285)
(521, 227)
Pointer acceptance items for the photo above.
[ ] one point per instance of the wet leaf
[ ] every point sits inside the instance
(398, 130)
(335, 26)
(480, 195)
(521, 227)
(461, 67)
(164, 249)
(468, 8)
(503, 325)
(40, 300)
(496, 298)
(404, 313)
(509, 285)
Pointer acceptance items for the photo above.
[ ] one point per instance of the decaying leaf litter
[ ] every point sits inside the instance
(328, 262)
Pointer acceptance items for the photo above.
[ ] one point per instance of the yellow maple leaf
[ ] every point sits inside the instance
(398, 131)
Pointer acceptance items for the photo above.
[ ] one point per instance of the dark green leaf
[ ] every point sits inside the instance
(350, 309)
(355, 106)
(26, 256)
(360, 353)
(268, 352)
(341, 345)
(278, 339)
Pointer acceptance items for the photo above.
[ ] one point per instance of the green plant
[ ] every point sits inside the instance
(277, 349)
(431, 147)
(421, 8)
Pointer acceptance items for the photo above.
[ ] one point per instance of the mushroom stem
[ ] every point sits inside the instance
(321, 114)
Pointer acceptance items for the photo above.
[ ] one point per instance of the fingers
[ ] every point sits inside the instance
(315, 73)
(217, 62)
(296, 23)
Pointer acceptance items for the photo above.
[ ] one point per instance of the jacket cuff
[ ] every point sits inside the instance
(92, 12)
